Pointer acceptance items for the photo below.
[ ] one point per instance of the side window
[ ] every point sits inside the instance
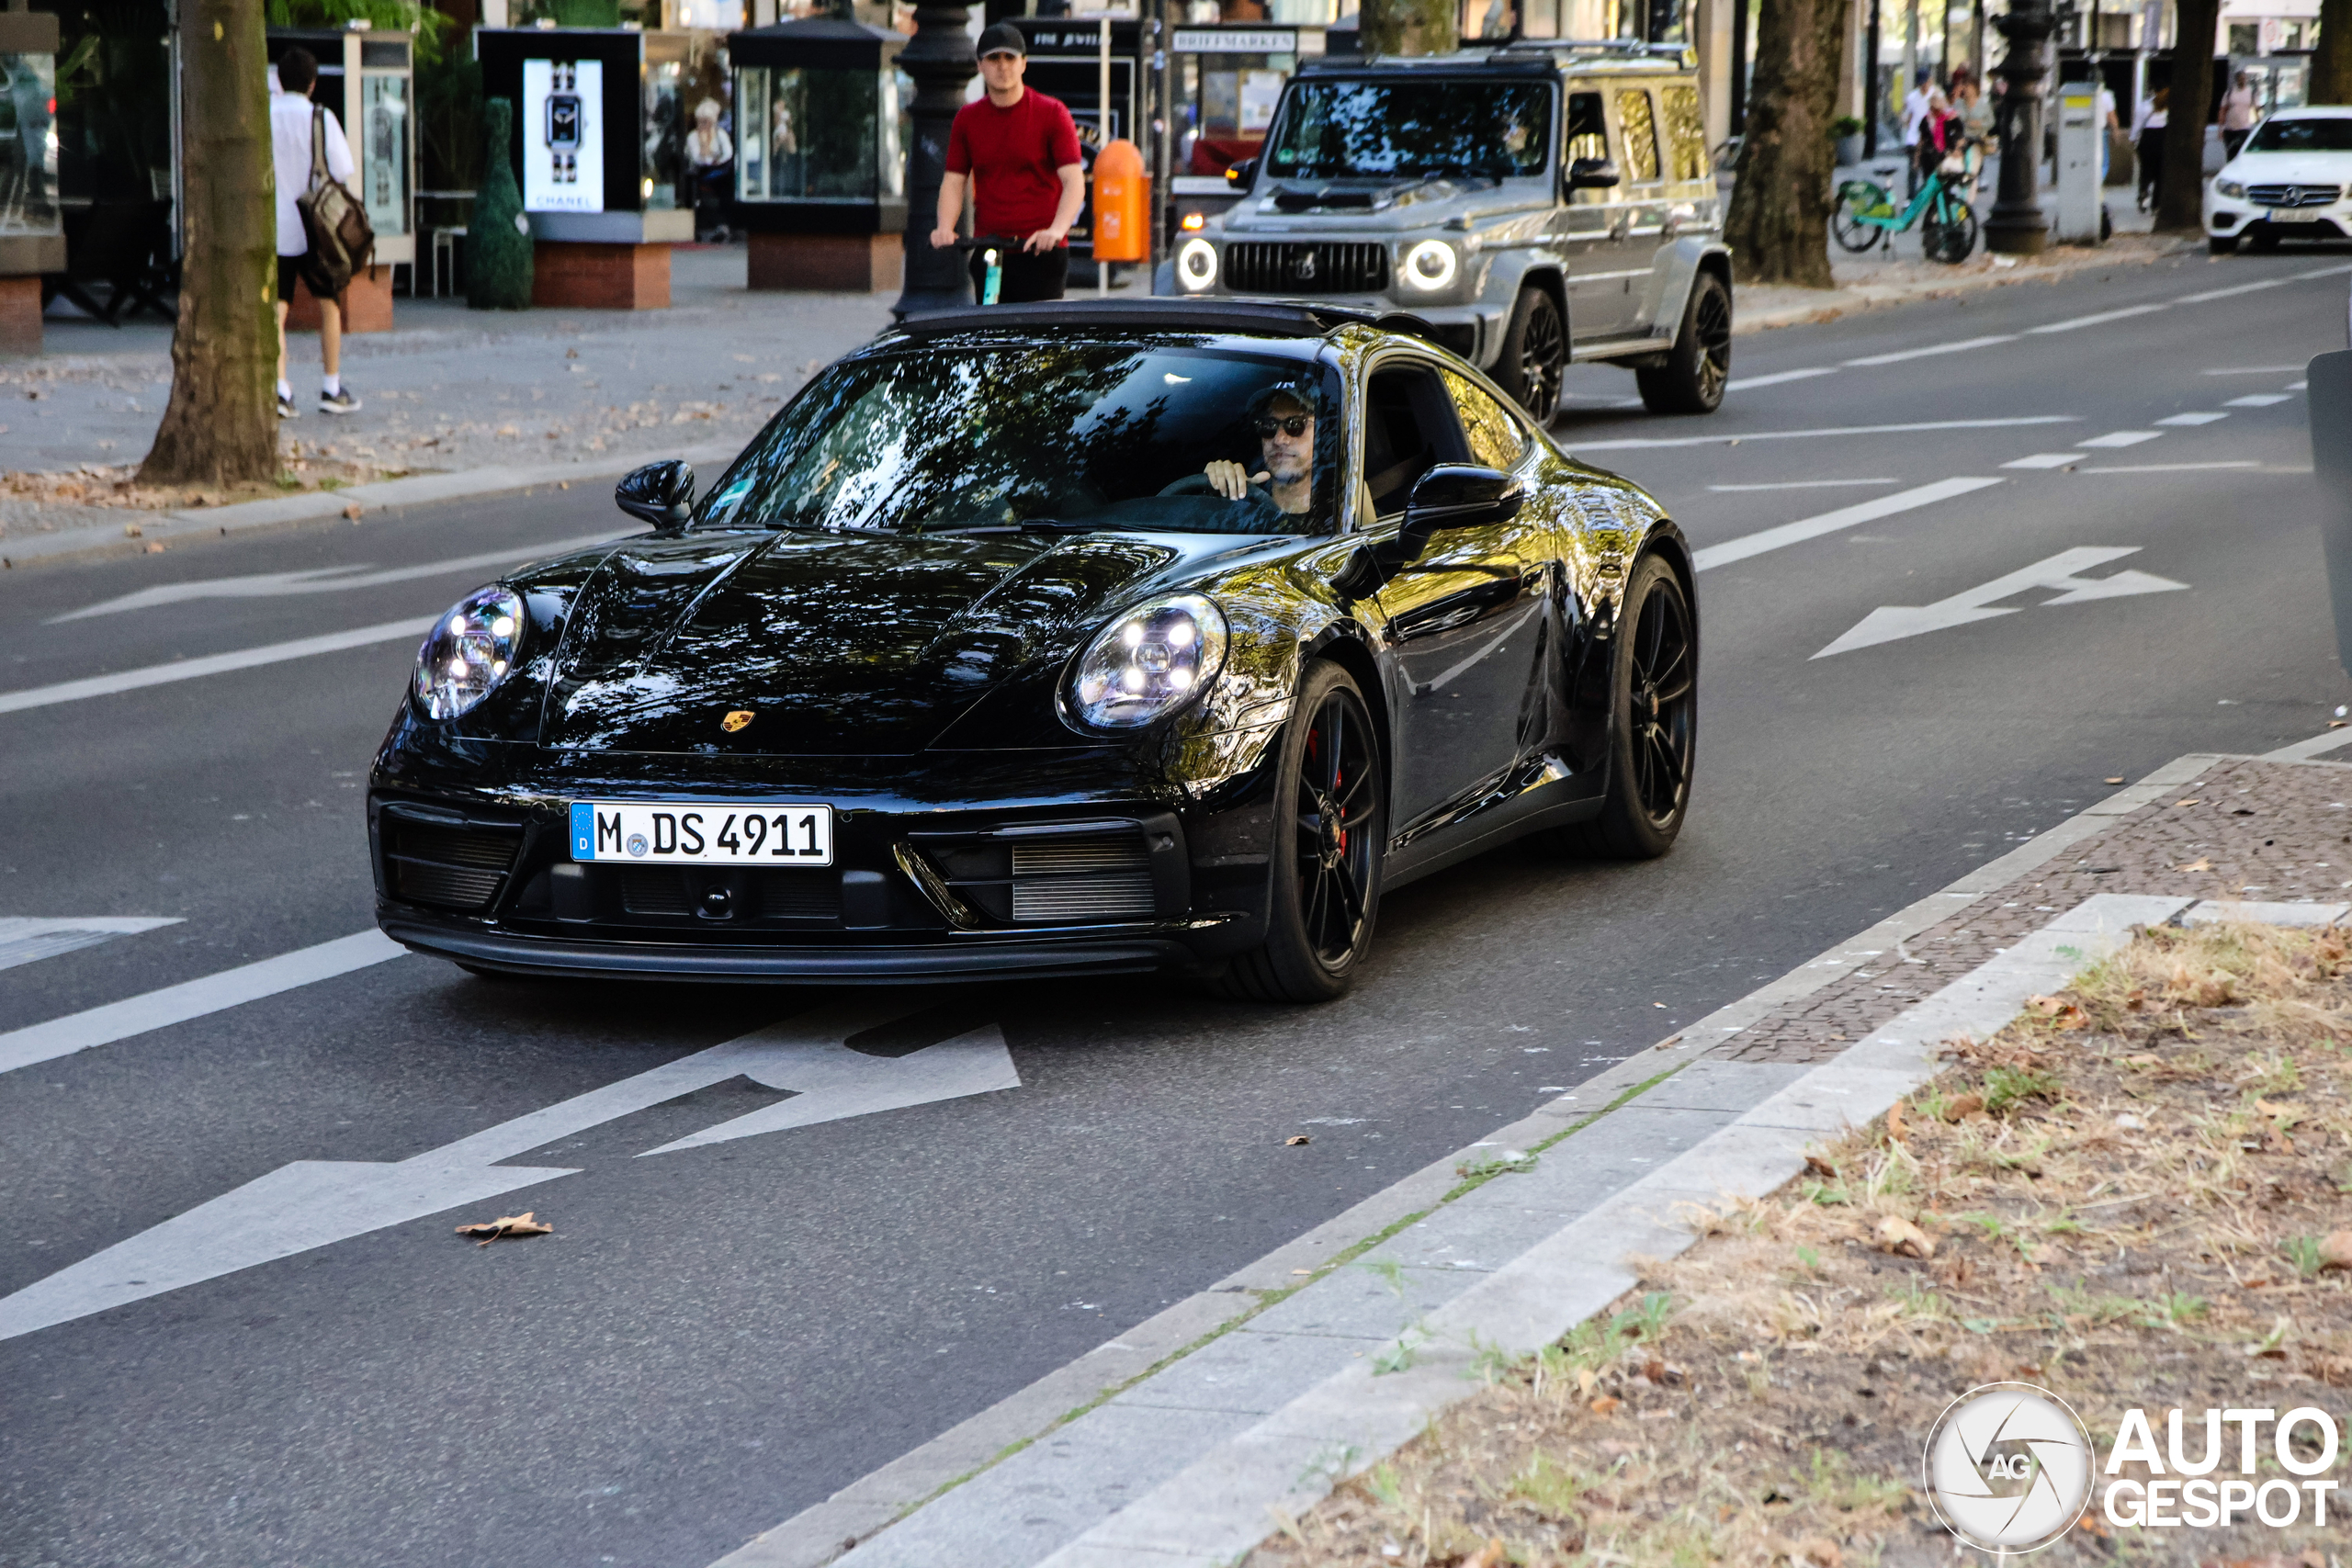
(1494, 436)
(1588, 137)
(1640, 130)
(1686, 133)
(1408, 428)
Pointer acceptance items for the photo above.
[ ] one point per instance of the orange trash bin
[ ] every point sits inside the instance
(1122, 204)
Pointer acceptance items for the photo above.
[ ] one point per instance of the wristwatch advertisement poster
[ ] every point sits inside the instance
(563, 136)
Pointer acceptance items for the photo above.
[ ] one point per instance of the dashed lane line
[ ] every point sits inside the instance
(211, 665)
(193, 998)
(1934, 349)
(2122, 438)
(1796, 533)
(2173, 468)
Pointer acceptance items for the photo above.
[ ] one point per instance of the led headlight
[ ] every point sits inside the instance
(1197, 263)
(2229, 188)
(1430, 265)
(1148, 662)
(468, 651)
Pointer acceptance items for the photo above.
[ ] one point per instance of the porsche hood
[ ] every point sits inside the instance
(832, 643)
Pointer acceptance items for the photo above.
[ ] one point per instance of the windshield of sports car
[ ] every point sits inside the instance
(1045, 435)
(2321, 134)
(1408, 130)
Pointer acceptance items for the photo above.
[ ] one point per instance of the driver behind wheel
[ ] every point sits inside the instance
(1285, 426)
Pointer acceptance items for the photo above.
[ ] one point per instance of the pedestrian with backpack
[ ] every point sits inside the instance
(308, 153)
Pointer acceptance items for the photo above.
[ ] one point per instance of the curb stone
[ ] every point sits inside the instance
(1012, 1485)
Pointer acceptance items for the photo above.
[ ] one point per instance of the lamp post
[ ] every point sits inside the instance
(939, 58)
(2016, 225)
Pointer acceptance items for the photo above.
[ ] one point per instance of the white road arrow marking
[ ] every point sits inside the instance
(314, 1204)
(26, 938)
(1890, 623)
(322, 580)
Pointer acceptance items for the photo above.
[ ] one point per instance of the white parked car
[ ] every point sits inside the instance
(2288, 182)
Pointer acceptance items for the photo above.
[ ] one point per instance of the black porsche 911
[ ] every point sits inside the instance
(1080, 638)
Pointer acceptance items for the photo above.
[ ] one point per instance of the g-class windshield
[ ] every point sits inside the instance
(1388, 130)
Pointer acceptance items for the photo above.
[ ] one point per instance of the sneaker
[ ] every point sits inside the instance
(338, 402)
(286, 408)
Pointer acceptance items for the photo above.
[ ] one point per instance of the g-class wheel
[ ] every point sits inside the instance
(1535, 355)
(1698, 367)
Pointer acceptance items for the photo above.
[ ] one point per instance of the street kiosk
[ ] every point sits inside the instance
(367, 78)
(821, 138)
(1228, 78)
(32, 231)
(599, 139)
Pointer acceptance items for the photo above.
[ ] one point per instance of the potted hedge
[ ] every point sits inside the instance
(1846, 131)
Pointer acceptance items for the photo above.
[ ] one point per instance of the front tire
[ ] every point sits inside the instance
(1698, 367)
(2222, 244)
(1535, 355)
(1652, 722)
(1330, 830)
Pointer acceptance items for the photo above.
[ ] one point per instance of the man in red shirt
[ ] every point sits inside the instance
(1022, 151)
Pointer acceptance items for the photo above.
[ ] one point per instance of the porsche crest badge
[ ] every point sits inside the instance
(736, 721)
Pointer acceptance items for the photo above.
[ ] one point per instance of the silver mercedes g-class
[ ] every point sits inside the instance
(1536, 202)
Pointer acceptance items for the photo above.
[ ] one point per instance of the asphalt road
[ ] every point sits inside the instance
(715, 1337)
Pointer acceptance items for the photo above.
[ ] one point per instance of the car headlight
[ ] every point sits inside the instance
(1430, 265)
(1148, 661)
(1197, 263)
(468, 651)
(2229, 188)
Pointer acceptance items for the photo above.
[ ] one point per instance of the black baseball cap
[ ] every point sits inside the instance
(1002, 39)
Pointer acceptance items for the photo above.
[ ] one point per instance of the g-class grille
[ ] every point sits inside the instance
(447, 867)
(2293, 196)
(1260, 266)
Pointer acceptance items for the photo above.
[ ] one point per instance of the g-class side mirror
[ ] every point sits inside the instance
(1592, 174)
(660, 493)
(1237, 177)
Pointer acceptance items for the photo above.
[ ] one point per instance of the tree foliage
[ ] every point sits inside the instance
(1779, 227)
(1408, 27)
(498, 244)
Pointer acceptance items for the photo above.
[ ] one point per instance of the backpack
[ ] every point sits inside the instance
(342, 241)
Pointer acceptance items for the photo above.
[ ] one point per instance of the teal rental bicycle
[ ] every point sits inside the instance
(1867, 215)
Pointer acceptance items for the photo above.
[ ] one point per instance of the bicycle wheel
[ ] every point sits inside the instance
(1846, 225)
(1950, 236)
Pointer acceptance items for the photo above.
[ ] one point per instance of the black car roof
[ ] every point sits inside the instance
(1245, 318)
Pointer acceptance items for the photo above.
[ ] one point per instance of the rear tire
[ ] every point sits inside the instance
(1652, 722)
(1330, 834)
(1698, 367)
(1535, 355)
(1950, 242)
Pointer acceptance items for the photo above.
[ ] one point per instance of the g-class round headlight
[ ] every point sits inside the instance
(1148, 661)
(1197, 263)
(2229, 188)
(1430, 265)
(468, 651)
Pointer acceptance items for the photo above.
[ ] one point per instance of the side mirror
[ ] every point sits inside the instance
(1237, 177)
(660, 493)
(1462, 495)
(1591, 174)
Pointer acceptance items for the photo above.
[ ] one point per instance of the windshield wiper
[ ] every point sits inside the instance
(1027, 525)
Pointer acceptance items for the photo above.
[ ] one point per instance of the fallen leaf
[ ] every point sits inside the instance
(1900, 1236)
(1607, 1404)
(510, 1226)
(1894, 1129)
(1820, 1552)
(2270, 1109)
(1493, 1554)
(1667, 1044)
(2190, 802)
(2336, 1250)
(1820, 1167)
(2115, 781)
(1966, 1105)
(351, 511)
(156, 548)
(1295, 1139)
(130, 530)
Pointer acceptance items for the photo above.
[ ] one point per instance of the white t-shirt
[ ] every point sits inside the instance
(289, 145)
(1914, 109)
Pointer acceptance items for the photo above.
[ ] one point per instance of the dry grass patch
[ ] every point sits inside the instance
(2136, 1194)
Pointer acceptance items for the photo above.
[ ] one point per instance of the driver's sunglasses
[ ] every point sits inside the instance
(1294, 426)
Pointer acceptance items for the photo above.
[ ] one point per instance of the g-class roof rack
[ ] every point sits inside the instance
(1617, 47)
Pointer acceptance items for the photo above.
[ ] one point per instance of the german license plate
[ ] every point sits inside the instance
(2294, 215)
(694, 833)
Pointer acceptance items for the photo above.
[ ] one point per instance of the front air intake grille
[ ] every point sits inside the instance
(654, 890)
(796, 895)
(2293, 196)
(446, 866)
(1328, 268)
(1104, 877)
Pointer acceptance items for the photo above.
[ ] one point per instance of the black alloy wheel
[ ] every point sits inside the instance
(1698, 367)
(1652, 722)
(1330, 820)
(1535, 355)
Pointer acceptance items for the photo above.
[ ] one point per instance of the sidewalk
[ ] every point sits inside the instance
(451, 389)
(1192, 1436)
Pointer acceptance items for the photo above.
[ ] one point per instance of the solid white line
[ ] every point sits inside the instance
(211, 665)
(2253, 370)
(1938, 348)
(2171, 467)
(193, 998)
(1749, 383)
(1803, 484)
(1833, 522)
(2208, 417)
(1648, 442)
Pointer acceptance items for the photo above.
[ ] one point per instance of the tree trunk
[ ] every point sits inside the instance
(2332, 65)
(221, 426)
(2190, 104)
(1779, 229)
(1407, 27)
